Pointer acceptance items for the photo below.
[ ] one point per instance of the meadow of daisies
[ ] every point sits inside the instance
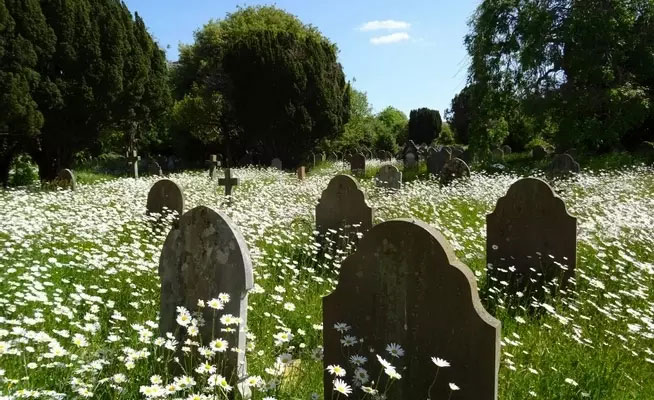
(79, 290)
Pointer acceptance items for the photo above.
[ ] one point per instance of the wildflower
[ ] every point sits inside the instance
(440, 362)
(395, 350)
(336, 370)
(342, 387)
(453, 387)
(216, 304)
(218, 345)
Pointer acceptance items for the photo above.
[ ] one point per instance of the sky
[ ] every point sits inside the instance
(406, 54)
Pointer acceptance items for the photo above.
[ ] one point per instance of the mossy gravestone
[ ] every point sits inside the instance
(343, 205)
(437, 160)
(404, 285)
(454, 169)
(66, 179)
(562, 165)
(410, 161)
(389, 177)
(202, 258)
(165, 195)
(530, 235)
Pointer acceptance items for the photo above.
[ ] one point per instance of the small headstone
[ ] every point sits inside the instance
(497, 155)
(201, 258)
(301, 173)
(456, 168)
(410, 161)
(343, 205)
(154, 168)
(133, 160)
(530, 228)
(389, 177)
(312, 159)
(506, 149)
(66, 179)
(358, 164)
(214, 164)
(405, 285)
(228, 182)
(276, 163)
(436, 161)
(562, 165)
(538, 152)
(165, 195)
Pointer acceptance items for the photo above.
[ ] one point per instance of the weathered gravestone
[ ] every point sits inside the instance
(276, 163)
(436, 161)
(530, 235)
(214, 164)
(457, 151)
(66, 179)
(506, 149)
(301, 173)
(133, 160)
(405, 285)
(410, 161)
(202, 258)
(165, 195)
(389, 177)
(538, 152)
(456, 168)
(562, 165)
(343, 205)
(358, 164)
(154, 168)
(497, 155)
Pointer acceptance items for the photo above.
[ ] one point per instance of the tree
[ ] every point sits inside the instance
(460, 115)
(424, 125)
(396, 122)
(282, 88)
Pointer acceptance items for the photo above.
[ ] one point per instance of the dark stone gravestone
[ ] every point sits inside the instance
(457, 151)
(358, 164)
(436, 161)
(410, 161)
(530, 231)
(538, 152)
(154, 168)
(506, 149)
(66, 179)
(405, 285)
(456, 168)
(204, 256)
(562, 165)
(165, 195)
(301, 173)
(343, 205)
(276, 163)
(389, 177)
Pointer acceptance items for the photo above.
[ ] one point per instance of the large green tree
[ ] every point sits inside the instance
(424, 125)
(261, 80)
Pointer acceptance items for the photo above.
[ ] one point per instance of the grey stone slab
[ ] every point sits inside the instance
(530, 228)
(410, 161)
(404, 285)
(456, 168)
(165, 194)
(358, 164)
(389, 177)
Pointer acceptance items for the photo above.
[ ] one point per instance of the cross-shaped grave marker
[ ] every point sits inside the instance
(228, 182)
(214, 164)
(134, 161)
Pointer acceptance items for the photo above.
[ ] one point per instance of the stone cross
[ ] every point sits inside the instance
(530, 235)
(228, 182)
(437, 160)
(343, 205)
(66, 179)
(358, 164)
(276, 163)
(456, 168)
(134, 161)
(214, 164)
(301, 173)
(165, 195)
(389, 177)
(203, 257)
(405, 285)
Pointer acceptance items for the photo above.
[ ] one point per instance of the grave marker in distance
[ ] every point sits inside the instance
(342, 205)
(389, 177)
(66, 179)
(358, 164)
(456, 168)
(165, 195)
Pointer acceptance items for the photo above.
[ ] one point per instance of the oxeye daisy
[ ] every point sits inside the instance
(341, 387)
(336, 370)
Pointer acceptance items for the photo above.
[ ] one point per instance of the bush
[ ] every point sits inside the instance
(23, 171)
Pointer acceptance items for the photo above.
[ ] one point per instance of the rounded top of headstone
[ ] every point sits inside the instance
(66, 177)
(455, 168)
(165, 193)
(343, 182)
(532, 188)
(388, 168)
(563, 164)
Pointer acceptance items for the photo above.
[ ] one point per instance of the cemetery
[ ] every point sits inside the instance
(239, 224)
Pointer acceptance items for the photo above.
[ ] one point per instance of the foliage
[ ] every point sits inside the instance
(424, 125)
(262, 80)
(396, 122)
(24, 171)
(446, 136)
(460, 114)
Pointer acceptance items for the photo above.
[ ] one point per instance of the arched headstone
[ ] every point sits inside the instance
(456, 168)
(506, 149)
(436, 161)
(202, 258)
(404, 285)
(276, 163)
(165, 194)
(154, 168)
(343, 205)
(410, 161)
(530, 228)
(562, 165)
(358, 164)
(66, 179)
(389, 177)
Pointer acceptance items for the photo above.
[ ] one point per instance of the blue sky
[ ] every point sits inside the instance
(406, 54)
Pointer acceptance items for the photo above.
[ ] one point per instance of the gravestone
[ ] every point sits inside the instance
(410, 161)
(312, 159)
(456, 168)
(497, 155)
(506, 149)
(170, 164)
(528, 227)
(66, 179)
(389, 177)
(214, 164)
(405, 285)
(457, 151)
(301, 173)
(165, 194)
(154, 168)
(202, 258)
(276, 163)
(358, 164)
(562, 165)
(343, 205)
(538, 152)
(133, 160)
(436, 161)
(333, 157)
(228, 181)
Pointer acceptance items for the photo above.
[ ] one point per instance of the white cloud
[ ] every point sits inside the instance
(392, 38)
(388, 24)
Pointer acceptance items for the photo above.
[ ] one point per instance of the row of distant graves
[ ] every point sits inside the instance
(402, 285)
